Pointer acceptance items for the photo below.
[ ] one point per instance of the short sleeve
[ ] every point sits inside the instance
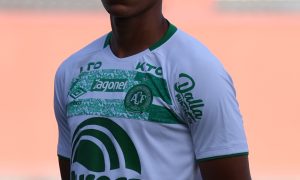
(64, 140)
(206, 99)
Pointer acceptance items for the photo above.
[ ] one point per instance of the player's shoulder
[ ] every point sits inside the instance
(185, 51)
(87, 51)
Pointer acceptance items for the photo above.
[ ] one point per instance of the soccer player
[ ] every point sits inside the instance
(147, 102)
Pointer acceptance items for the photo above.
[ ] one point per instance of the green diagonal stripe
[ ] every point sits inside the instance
(162, 115)
(157, 85)
(116, 108)
(102, 107)
(87, 81)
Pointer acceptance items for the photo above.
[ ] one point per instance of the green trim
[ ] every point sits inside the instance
(107, 40)
(171, 30)
(223, 156)
(168, 34)
(63, 158)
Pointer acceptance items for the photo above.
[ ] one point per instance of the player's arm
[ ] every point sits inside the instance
(64, 140)
(207, 101)
(228, 168)
(64, 166)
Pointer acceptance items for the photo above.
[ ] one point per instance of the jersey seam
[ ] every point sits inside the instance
(169, 90)
(225, 147)
(243, 148)
(78, 55)
(245, 153)
(63, 157)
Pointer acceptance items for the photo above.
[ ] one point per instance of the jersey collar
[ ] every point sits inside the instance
(168, 34)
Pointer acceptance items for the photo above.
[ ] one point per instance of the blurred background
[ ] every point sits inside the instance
(258, 41)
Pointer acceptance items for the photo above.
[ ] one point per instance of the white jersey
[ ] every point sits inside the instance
(150, 116)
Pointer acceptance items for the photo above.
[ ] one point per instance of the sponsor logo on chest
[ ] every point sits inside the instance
(109, 85)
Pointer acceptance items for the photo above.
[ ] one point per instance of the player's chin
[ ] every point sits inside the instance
(119, 11)
(118, 8)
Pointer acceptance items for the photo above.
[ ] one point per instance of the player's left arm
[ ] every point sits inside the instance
(227, 168)
(206, 98)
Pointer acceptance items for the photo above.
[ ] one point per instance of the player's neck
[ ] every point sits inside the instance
(135, 34)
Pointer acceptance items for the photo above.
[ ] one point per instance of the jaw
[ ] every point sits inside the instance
(129, 8)
(118, 8)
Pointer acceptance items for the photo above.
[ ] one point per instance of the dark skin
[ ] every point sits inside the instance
(64, 167)
(136, 25)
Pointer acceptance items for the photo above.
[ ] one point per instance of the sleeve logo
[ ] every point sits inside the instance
(192, 107)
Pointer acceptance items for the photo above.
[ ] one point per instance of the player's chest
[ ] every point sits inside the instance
(129, 90)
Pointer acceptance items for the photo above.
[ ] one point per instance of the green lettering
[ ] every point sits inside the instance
(140, 66)
(134, 99)
(197, 113)
(187, 85)
(98, 65)
(158, 71)
(90, 65)
(188, 97)
(150, 67)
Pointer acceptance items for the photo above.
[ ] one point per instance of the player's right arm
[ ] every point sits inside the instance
(64, 167)
(64, 136)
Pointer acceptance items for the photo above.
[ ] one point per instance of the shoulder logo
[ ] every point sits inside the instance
(101, 149)
(138, 98)
(192, 107)
(186, 83)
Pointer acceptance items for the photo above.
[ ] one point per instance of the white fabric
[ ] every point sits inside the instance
(202, 98)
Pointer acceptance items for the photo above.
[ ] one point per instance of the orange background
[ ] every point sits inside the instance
(261, 51)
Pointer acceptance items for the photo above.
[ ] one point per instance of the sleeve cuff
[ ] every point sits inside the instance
(222, 156)
(63, 157)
